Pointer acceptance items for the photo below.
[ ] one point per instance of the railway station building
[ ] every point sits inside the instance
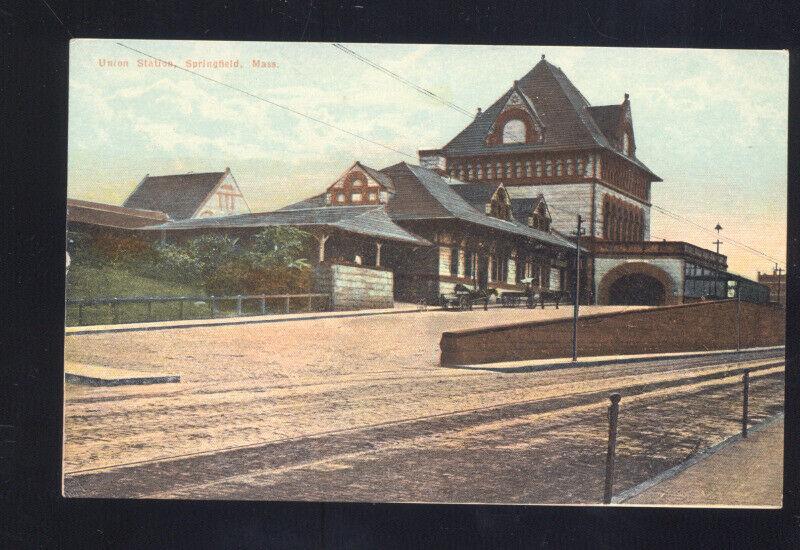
(493, 208)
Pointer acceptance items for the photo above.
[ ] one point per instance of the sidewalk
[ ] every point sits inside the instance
(747, 472)
(533, 365)
(249, 319)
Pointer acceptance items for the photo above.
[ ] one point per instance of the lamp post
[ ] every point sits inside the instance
(576, 306)
(718, 228)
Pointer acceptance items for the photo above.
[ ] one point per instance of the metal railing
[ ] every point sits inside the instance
(216, 305)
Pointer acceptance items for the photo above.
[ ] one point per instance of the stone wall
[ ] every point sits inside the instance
(355, 287)
(687, 327)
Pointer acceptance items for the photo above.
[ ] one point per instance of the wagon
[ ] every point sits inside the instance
(462, 298)
(533, 296)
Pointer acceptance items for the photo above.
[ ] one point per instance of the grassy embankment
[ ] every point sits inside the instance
(93, 282)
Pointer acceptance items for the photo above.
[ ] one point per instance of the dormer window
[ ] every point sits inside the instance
(500, 205)
(540, 217)
(514, 131)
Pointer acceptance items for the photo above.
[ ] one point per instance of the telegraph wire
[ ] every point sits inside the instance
(396, 76)
(269, 101)
(390, 148)
(734, 242)
(463, 111)
(678, 217)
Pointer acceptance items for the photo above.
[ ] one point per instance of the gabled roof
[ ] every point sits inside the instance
(179, 195)
(370, 221)
(563, 110)
(608, 119)
(109, 215)
(381, 178)
(424, 194)
(316, 201)
(378, 176)
(521, 208)
(477, 194)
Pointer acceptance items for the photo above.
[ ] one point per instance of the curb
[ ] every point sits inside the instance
(622, 359)
(133, 381)
(694, 459)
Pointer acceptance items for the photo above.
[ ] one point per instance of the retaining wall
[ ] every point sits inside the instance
(355, 287)
(687, 327)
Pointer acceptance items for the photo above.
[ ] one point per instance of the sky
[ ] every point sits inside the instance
(712, 123)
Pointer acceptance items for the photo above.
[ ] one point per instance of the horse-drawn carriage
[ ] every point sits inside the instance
(533, 296)
(463, 298)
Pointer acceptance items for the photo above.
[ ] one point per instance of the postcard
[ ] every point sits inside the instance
(425, 273)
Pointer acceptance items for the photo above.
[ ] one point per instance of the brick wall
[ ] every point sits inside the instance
(688, 327)
(355, 287)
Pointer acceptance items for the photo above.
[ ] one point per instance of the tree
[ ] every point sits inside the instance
(279, 247)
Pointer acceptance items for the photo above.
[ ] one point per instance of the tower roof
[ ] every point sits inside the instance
(569, 120)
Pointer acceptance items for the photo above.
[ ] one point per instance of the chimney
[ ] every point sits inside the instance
(627, 97)
(478, 113)
(542, 57)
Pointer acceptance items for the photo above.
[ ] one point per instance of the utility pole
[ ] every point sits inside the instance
(576, 305)
(778, 271)
(718, 228)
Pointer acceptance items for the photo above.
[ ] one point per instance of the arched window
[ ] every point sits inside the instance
(514, 131)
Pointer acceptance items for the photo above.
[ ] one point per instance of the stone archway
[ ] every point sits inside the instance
(636, 283)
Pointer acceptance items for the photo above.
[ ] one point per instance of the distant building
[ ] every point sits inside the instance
(185, 196)
(777, 286)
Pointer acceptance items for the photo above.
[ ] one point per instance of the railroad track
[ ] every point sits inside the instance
(149, 477)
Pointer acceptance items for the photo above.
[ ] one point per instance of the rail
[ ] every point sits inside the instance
(198, 307)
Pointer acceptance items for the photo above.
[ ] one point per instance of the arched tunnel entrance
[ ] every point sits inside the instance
(636, 283)
(636, 289)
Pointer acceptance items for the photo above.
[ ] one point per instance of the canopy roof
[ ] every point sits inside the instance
(370, 221)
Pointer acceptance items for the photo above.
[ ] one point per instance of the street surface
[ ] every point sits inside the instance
(358, 409)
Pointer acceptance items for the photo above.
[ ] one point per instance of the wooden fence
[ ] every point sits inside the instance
(217, 306)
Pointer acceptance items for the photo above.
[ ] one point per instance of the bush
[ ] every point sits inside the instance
(278, 280)
(123, 249)
(279, 246)
(173, 263)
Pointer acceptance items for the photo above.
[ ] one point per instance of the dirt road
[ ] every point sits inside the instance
(358, 409)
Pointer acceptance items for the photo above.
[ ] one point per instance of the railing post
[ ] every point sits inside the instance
(310, 297)
(149, 310)
(745, 399)
(613, 415)
(80, 313)
(287, 304)
(114, 312)
(239, 305)
(213, 303)
(180, 310)
(738, 320)
(263, 304)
